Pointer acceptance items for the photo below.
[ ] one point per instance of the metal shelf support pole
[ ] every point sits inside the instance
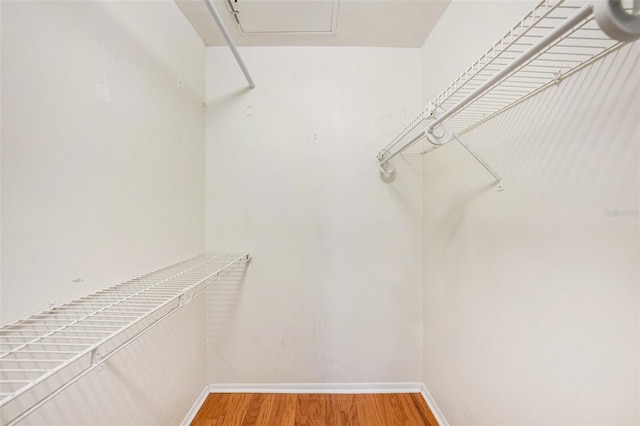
(481, 161)
(227, 37)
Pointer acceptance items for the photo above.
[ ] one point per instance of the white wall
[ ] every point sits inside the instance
(334, 293)
(102, 152)
(103, 178)
(531, 295)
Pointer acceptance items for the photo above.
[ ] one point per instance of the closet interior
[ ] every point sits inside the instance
(485, 256)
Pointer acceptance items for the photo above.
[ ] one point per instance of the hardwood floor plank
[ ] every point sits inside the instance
(343, 410)
(284, 410)
(265, 409)
(370, 412)
(311, 409)
(393, 410)
(315, 409)
(253, 409)
(413, 415)
(237, 408)
(423, 409)
(214, 406)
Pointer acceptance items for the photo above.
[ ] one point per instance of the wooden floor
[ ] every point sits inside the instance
(314, 409)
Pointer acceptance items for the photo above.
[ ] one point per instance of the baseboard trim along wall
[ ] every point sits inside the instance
(402, 387)
(435, 410)
(191, 414)
(399, 387)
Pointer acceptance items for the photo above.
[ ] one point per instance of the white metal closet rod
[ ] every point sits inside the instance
(227, 37)
(583, 13)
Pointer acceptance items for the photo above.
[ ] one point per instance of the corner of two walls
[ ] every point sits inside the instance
(531, 295)
(103, 179)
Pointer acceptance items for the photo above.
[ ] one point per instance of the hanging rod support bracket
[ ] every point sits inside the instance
(481, 161)
(95, 356)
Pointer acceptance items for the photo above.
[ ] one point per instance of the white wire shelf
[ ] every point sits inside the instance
(580, 46)
(580, 42)
(43, 353)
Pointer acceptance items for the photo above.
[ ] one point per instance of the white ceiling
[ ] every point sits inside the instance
(379, 23)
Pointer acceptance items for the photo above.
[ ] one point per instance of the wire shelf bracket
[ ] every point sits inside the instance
(554, 40)
(45, 353)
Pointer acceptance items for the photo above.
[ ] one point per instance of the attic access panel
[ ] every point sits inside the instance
(285, 16)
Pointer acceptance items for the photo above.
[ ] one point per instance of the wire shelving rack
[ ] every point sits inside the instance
(42, 354)
(568, 37)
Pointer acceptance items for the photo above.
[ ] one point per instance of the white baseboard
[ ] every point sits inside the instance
(433, 406)
(191, 414)
(401, 387)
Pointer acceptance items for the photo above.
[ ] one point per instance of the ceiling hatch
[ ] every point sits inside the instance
(285, 16)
